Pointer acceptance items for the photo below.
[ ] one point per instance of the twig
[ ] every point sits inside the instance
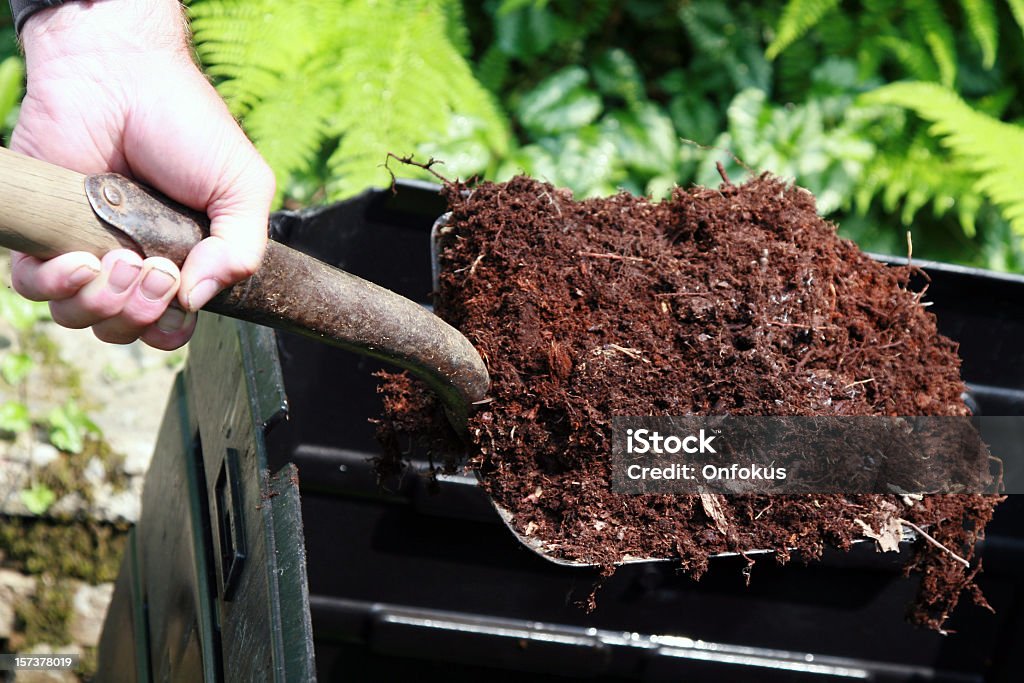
(713, 509)
(934, 542)
(910, 248)
(802, 326)
(410, 161)
(721, 172)
(711, 148)
(632, 353)
(860, 381)
(615, 257)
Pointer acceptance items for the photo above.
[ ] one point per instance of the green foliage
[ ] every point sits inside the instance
(911, 173)
(68, 426)
(596, 131)
(605, 95)
(729, 54)
(79, 549)
(918, 34)
(981, 19)
(355, 77)
(798, 18)
(45, 617)
(560, 103)
(38, 499)
(1017, 7)
(14, 417)
(15, 367)
(12, 75)
(988, 148)
(821, 142)
(20, 313)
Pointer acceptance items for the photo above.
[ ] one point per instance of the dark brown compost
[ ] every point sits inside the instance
(738, 300)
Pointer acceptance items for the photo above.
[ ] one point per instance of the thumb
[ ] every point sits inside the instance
(239, 215)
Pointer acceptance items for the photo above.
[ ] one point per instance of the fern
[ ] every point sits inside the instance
(981, 19)
(937, 34)
(357, 78)
(915, 59)
(922, 26)
(798, 17)
(990, 149)
(1017, 8)
(907, 176)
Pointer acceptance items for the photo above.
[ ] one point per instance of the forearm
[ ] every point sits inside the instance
(112, 87)
(114, 29)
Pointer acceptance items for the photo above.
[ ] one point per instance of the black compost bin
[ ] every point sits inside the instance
(266, 550)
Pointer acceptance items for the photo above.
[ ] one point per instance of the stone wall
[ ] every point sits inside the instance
(57, 564)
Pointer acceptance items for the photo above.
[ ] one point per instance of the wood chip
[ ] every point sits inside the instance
(713, 508)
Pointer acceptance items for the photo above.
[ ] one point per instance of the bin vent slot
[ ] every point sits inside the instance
(230, 525)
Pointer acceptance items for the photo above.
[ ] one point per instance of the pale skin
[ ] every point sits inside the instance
(111, 86)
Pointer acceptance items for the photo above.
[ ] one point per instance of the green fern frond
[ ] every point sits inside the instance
(937, 34)
(798, 17)
(700, 21)
(492, 69)
(359, 78)
(911, 56)
(791, 72)
(907, 177)
(248, 44)
(402, 96)
(839, 31)
(307, 110)
(991, 149)
(981, 19)
(455, 25)
(1017, 8)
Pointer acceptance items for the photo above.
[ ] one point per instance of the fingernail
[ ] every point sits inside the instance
(122, 276)
(156, 284)
(81, 275)
(202, 293)
(173, 320)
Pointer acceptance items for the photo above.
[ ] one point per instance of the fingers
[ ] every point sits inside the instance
(173, 329)
(59, 278)
(238, 235)
(153, 288)
(105, 296)
(125, 299)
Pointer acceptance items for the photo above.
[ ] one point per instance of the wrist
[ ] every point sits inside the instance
(119, 29)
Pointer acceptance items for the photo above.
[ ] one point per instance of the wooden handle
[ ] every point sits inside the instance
(47, 211)
(44, 210)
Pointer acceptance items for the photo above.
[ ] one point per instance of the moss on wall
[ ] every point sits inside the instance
(86, 550)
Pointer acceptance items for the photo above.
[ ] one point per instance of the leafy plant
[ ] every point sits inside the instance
(343, 82)
(12, 75)
(604, 95)
(822, 142)
(38, 499)
(68, 426)
(989, 149)
(798, 17)
(596, 131)
(14, 367)
(21, 313)
(917, 34)
(14, 417)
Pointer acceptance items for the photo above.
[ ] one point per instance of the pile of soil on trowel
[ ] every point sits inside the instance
(739, 300)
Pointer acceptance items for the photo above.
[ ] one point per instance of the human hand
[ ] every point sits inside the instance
(112, 87)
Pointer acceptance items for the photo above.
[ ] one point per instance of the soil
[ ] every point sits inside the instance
(739, 300)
